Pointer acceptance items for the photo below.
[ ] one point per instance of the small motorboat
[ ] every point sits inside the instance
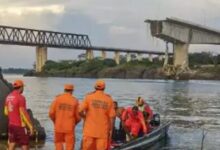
(148, 140)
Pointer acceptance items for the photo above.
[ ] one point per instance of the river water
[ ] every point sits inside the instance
(192, 106)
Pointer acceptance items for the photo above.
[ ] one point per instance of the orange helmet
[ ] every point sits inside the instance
(68, 86)
(18, 83)
(100, 85)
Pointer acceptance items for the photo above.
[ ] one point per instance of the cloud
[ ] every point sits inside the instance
(121, 30)
(111, 23)
(19, 11)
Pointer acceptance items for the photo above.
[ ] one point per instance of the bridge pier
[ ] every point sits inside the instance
(128, 57)
(160, 57)
(89, 54)
(103, 55)
(41, 58)
(150, 58)
(181, 55)
(117, 57)
(139, 57)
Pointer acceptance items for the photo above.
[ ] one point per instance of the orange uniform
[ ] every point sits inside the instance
(148, 115)
(64, 113)
(99, 111)
(134, 122)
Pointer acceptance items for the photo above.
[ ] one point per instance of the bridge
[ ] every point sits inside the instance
(181, 34)
(43, 39)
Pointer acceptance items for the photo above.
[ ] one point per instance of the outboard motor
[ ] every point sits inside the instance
(155, 120)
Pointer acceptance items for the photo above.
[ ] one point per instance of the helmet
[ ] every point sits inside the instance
(100, 85)
(18, 83)
(68, 86)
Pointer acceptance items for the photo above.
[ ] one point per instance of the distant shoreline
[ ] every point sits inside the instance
(203, 66)
(15, 71)
(134, 71)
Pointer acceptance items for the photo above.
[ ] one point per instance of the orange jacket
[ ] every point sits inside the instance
(64, 113)
(99, 113)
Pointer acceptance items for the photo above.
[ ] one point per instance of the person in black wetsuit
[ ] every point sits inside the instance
(118, 133)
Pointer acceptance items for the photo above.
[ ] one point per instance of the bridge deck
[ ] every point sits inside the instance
(180, 31)
(32, 37)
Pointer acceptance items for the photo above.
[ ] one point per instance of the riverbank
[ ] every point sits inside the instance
(144, 69)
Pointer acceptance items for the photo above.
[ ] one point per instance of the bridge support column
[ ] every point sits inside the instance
(181, 55)
(128, 57)
(89, 54)
(41, 58)
(117, 57)
(150, 58)
(166, 59)
(103, 55)
(139, 57)
(160, 57)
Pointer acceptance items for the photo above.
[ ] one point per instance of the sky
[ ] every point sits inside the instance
(110, 23)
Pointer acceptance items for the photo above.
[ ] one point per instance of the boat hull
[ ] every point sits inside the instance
(147, 140)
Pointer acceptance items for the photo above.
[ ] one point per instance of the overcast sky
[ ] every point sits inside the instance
(112, 23)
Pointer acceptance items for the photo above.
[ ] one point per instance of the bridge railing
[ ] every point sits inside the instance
(21, 36)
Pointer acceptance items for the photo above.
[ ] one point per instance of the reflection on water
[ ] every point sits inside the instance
(191, 106)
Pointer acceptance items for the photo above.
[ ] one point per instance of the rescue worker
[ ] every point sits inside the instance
(18, 118)
(64, 114)
(98, 112)
(146, 110)
(133, 122)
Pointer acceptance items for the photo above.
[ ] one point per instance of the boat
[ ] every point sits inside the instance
(145, 141)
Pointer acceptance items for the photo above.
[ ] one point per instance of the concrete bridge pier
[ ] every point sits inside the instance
(161, 57)
(139, 57)
(41, 58)
(103, 55)
(181, 55)
(166, 59)
(150, 58)
(117, 57)
(89, 54)
(128, 57)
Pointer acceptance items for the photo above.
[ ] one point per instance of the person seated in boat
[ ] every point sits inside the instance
(133, 122)
(118, 131)
(146, 110)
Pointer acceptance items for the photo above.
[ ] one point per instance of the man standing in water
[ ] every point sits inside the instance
(19, 120)
(64, 114)
(98, 111)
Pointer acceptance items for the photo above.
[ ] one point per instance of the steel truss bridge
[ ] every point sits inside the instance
(32, 37)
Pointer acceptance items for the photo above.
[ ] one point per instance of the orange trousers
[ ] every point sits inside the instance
(91, 143)
(67, 138)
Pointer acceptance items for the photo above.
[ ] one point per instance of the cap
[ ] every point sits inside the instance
(100, 85)
(18, 83)
(68, 87)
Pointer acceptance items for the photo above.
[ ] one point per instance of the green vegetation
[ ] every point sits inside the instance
(202, 66)
(99, 68)
(204, 58)
(16, 70)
